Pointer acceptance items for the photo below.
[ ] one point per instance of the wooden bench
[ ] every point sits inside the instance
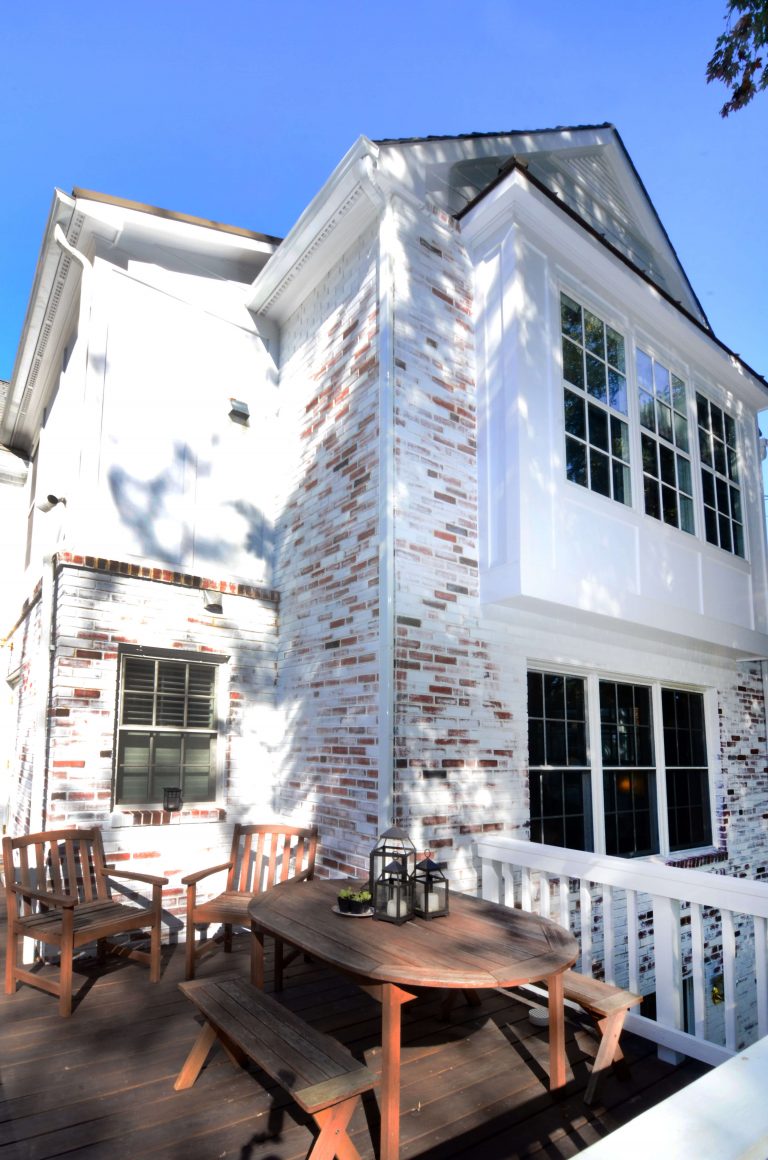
(321, 1075)
(608, 1005)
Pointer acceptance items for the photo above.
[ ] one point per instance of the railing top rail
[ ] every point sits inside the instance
(741, 895)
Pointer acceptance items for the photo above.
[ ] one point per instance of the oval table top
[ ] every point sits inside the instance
(478, 944)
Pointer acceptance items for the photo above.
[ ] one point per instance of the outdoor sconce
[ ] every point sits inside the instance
(239, 412)
(172, 799)
(430, 890)
(49, 502)
(213, 601)
(392, 862)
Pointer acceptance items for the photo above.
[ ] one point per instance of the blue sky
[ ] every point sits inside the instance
(239, 110)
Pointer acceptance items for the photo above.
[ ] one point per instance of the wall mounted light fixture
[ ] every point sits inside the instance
(239, 412)
(213, 601)
(48, 502)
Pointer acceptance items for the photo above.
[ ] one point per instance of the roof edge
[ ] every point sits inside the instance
(518, 166)
(172, 215)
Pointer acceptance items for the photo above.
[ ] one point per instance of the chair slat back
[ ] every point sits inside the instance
(265, 855)
(69, 862)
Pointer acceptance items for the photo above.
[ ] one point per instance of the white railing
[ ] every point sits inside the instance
(695, 939)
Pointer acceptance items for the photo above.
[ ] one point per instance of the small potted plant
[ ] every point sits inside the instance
(360, 901)
(344, 900)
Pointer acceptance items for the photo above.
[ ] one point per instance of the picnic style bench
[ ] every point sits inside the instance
(321, 1075)
(608, 1005)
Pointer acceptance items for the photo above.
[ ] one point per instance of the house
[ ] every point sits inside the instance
(447, 508)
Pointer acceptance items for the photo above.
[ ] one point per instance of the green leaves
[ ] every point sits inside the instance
(738, 60)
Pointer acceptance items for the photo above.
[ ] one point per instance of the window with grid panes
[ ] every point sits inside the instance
(667, 477)
(559, 775)
(166, 729)
(595, 403)
(637, 747)
(723, 519)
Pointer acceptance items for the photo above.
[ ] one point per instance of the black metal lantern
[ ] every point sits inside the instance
(172, 799)
(393, 860)
(393, 894)
(430, 890)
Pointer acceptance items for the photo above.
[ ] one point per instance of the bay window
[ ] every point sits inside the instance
(608, 403)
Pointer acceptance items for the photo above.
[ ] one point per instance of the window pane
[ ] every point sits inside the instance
(573, 364)
(594, 334)
(599, 477)
(598, 427)
(575, 422)
(615, 349)
(576, 461)
(570, 313)
(617, 391)
(596, 378)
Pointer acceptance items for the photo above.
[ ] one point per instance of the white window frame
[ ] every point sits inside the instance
(637, 338)
(592, 681)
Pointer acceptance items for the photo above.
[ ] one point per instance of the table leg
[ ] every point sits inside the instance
(257, 957)
(392, 999)
(556, 1031)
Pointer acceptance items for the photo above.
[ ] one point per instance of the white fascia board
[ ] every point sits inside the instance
(516, 201)
(40, 312)
(119, 223)
(347, 202)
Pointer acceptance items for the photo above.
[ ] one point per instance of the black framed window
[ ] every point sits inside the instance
(167, 729)
(685, 755)
(629, 773)
(647, 785)
(559, 775)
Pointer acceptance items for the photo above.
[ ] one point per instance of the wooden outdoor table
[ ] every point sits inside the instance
(478, 945)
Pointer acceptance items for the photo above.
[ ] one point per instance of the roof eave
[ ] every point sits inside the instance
(515, 166)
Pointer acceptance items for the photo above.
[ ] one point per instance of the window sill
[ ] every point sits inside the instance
(156, 816)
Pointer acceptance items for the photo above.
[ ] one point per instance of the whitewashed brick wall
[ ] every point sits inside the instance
(327, 571)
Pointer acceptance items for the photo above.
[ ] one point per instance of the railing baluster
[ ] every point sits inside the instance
(761, 975)
(697, 971)
(545, 887)
(525, 888)
(729, 977)
(609, 961)
(633, 942)
(564, 899)
(585, 900)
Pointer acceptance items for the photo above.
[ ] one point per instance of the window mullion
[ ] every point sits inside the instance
(595, 754)
(661, 770)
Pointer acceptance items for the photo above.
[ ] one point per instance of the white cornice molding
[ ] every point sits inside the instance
(48, 290)
(348, 201)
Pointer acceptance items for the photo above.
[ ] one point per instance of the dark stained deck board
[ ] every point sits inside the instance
(100, 1084)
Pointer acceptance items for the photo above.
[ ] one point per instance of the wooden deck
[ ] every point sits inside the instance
(100, 1084)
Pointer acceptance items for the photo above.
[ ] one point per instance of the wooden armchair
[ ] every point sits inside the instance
(262, 856)
(58, 892)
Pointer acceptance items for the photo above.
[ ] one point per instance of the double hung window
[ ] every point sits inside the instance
(167, 729)
(595, 402)
(723, 518)
(627, 761)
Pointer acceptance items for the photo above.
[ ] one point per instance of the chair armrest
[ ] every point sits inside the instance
(190, 879)
(137, 876)
(43, 895)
